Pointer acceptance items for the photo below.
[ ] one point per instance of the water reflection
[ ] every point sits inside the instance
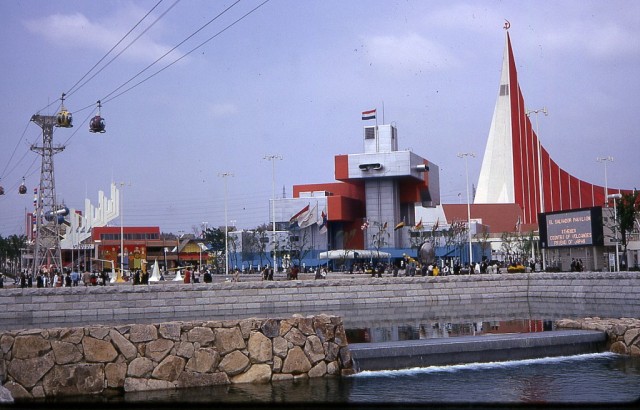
(437, 330)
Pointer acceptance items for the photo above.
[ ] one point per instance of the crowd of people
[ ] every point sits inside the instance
(190, 274)
(56, 279)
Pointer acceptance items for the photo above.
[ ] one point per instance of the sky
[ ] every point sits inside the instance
(292, 79)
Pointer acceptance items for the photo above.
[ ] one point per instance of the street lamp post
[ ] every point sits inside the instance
(466, 155)
(224, 175)
(119, 277)
(273, 159)
(606, 188)
(540, 186)
(615, 197)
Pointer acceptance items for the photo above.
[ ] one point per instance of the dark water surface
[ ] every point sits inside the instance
(600, 379)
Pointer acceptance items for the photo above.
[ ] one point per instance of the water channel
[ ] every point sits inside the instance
(598, 378)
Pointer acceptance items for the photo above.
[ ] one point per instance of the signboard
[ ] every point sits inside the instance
(580, 227)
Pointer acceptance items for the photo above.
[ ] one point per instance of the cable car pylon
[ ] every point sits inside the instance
(47, 236)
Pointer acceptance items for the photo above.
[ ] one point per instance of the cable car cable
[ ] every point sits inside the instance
(14, 151)
(185, 55)
(71, 90)
(106, 98)
(129, 45)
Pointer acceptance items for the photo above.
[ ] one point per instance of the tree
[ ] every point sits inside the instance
(250, 245)
(215, 236)
(628, 209)
(483, 239)
(299, 244)
(456, 235)
(10, 249)
(380, 237)
(263, 240)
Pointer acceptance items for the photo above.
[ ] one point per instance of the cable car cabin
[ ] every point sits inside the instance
(97, 124)
(64, 119)
(23, 189)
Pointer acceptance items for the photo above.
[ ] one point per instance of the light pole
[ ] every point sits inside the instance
(466, 155)
(273, 159)
(606, 189)
(615, 197)
(119, 277)
(541, 190)
(224, 175)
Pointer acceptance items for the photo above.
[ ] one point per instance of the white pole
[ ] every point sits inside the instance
(606, 188)
(465, 155)
(224, 175)
(121, 184)
(615, 197)
(273, 158)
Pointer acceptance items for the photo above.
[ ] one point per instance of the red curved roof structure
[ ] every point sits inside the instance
(516, 168)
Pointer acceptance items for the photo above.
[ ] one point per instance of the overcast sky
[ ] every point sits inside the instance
(292, 78)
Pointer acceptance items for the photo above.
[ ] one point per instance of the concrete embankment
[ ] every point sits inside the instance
(353, 296)
(474, 349)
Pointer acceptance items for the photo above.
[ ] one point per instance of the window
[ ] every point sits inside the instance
(369, 133)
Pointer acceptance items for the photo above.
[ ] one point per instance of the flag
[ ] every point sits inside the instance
(419, 224)
(294, 219)
(399, 226)
(369, 115)
(309, 217)
(385, 225)
(365, 225)
(435, 226)
(322, 222)
(518, 222)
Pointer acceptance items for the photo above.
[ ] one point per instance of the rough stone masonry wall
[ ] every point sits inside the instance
(94, 359)
(623, 335)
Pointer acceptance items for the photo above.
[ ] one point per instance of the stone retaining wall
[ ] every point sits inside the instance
(139, 357)
(623, 335)
(124, 303)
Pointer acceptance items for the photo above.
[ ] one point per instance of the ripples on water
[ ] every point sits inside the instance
(592, 378)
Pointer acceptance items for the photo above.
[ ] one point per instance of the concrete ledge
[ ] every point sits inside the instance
(474, 349)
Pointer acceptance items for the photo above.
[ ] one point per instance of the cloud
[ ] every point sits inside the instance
(76, 31)
(222, 109)
(411, 50)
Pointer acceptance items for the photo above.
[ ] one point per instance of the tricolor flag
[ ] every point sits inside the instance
(322, 222)
(294, 219)
(369, 115)
(419, 225)
(435, 226)
(308, 218)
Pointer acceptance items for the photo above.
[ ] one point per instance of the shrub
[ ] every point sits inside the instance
(516, 269)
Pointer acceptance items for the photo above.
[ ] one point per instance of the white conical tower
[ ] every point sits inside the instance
(155, 274)
(496, 184)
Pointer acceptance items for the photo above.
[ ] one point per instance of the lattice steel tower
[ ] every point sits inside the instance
(47, 239)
